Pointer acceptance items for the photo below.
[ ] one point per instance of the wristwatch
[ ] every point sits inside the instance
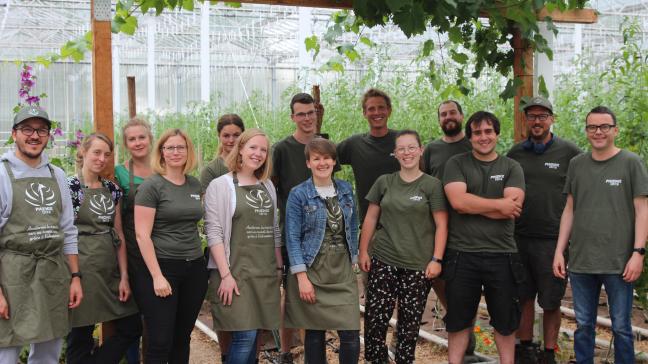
(641, 251)
(435, 259)
(77, 274)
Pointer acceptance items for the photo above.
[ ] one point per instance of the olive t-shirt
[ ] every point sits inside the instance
(544, 175)
(212, 170)
(177, 212)
(602, 234)
(478, 233)
(405, 236)
(370, 157)
(437, 153)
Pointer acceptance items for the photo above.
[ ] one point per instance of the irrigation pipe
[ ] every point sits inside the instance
(206, 330)
(604, 322)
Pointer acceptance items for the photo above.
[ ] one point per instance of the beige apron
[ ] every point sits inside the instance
(98, 245)
(336, 289)
(34, 277)
(253, 266)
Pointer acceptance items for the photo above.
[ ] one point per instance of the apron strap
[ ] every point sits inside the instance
(131, 176)
(37, 256)
(13, 178)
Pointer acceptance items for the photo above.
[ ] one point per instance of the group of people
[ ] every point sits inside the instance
(454, 215)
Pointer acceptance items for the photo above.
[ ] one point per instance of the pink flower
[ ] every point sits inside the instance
(33, 100)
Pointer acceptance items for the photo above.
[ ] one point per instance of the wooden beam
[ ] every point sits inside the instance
(132, 101)
(331, 4)
(523, 70)
(102, 99)
(581, 16)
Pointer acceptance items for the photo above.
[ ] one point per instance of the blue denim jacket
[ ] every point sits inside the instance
(306, 223)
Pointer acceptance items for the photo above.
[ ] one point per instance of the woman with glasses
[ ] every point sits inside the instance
(322, 244)
(243, 234)
(167, 210)
(406, 224)
(102, 259)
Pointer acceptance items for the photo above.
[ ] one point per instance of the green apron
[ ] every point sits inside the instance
(336, 289)
(34, 276)
(98, 244)
(135, 259)
(253, 265)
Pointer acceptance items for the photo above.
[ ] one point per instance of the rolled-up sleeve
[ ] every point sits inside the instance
(294, 223)
(213, 227)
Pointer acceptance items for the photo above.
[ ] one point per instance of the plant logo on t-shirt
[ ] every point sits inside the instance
(416, 198)
(552, 165)
(41, 197)
(102, 206)
(497, 177)
(614, 182)
(259, 200)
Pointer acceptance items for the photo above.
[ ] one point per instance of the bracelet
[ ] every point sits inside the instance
(435, 259)
(227, 275)
(279, 268)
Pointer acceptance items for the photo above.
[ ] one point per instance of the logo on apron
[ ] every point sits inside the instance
(103, 207)
(259, 200)
(41, 197)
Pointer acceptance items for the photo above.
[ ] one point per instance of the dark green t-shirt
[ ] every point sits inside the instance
(478, 233)
(212, 170)
(602, 234)
(544, 175)
(370, 158)
(405, 237)
(437, 153)
(177, 212)
(288, 169)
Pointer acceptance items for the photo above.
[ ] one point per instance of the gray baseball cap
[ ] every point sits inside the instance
(29, 112)
(539, 101)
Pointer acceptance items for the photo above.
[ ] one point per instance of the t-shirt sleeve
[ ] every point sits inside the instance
(115, 191)
(567, 189)
(121, 175)
(276, 160)
(453, 172)
(426, 159)
(516, 176)
(148, 194)
(639, 177)
(436, 196)
(206, 176)
(343, 153)
(377, 191)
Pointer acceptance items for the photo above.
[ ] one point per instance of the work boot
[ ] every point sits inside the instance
(547, 357)
(526, 354)
(286, 358)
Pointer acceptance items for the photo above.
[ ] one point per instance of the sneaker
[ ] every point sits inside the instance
(286, 358)
(547, 357)
(526, 354)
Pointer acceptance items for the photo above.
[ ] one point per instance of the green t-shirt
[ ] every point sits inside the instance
(122, 176)
(288, 169)
(212, 170)
(177, 212)
(437, 153)
(602, 234)
(370, 158)
(544, 175)
(405, 237)
(478, 233)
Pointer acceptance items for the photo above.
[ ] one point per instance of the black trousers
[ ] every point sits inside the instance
(170, 320)
(80, 343)
(315, 346)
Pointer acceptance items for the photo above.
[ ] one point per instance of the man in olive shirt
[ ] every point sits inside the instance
(605, 222)
(544, 157)
(453, 141)
(370, 154)
(288, 170)
(486, 192)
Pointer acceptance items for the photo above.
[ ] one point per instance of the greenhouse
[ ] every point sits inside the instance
(185, 64)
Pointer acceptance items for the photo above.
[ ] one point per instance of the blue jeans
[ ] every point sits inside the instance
(243, 347)
(586, 289)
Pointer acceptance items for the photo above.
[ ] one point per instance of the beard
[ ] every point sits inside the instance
(28, 153)
(449, 130)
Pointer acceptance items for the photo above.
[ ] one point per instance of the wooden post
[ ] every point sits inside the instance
(320, 114)
(102, 99)
(522, 70)
(132, 102)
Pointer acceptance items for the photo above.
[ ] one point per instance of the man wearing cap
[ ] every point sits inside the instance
(36, 231)
(544, 157)
(605, 222)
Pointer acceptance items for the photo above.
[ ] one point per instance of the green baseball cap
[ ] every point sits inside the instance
(29, 112)
(539, 101)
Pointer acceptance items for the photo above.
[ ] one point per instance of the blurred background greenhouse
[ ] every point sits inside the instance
(257, 58)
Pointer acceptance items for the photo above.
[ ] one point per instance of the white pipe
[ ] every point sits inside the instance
(204, 53)
(604, 322)
(206, 330)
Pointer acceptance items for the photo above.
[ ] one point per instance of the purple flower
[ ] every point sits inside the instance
(23, 93)
(33, 100)
(58, 132)
(79, 135)
(73, 143)
(27, 68)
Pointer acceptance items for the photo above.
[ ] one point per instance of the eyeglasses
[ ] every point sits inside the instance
(303, 115)
(403, 150)
(534, 117)
(604, 128)
(29, 131)
(175, 148)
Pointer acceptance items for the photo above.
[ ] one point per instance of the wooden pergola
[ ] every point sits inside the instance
(102, 58)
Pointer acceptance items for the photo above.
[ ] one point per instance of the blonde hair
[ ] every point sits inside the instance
(233, 161)
(85, 145)
(157, 160)
(136, 121)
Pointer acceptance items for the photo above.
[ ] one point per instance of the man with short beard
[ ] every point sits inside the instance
(36, 231)
(453, 142)
(544, 157)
